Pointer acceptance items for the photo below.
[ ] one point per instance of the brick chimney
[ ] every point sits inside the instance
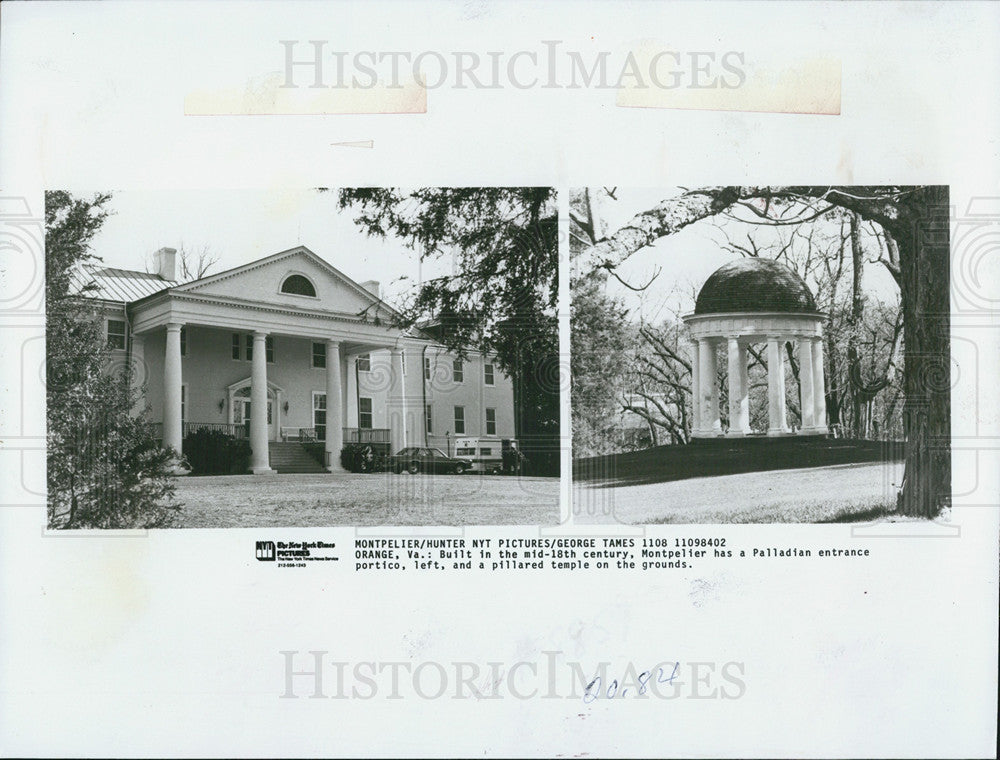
(373, 286)
(165, 261)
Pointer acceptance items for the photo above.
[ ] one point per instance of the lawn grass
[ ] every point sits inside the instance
(838, 493)
(248, 501)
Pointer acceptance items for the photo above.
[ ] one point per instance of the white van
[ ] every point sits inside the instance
(482, 454)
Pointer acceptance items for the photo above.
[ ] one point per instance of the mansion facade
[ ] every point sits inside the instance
(292, 335)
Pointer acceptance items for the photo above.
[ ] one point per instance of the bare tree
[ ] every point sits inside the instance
(192, 263)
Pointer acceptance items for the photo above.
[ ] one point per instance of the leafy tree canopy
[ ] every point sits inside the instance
(503, 287)
(105, 470)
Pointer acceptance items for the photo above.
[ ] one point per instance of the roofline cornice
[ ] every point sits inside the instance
(240, 303)
(813, 315)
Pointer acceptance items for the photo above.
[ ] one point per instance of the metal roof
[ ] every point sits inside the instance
(124, 285)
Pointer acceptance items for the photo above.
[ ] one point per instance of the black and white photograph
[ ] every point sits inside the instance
(760, 354)
(463, 378)
(361, 356)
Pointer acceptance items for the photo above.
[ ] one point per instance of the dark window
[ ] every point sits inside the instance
(458, 371)
(491, 421)
(365, 413)
(365, 363)
(319, 355)
(298, 285)
(183, 404)
(488, 374)
(427, 368)
(459, 420)
(428, 419)
(249, 344)
(465, 452)
(486, 452)
(116, 334)
(236, 345)
(269, 349)
(184, 341)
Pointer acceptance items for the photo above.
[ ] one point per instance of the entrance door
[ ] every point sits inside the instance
(242, 408)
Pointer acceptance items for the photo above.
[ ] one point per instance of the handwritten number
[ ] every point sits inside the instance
(673, 674)
(590, 694)
(643, 680)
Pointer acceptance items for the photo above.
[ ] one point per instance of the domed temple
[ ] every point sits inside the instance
(749, 301)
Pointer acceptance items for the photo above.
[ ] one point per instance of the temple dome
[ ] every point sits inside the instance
(754, 285)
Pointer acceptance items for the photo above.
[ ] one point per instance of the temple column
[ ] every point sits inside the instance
(737, 388)
(173, 433)
(745, 385)
(695, 389)
(137, 373)
(397, 401)
(775, 388)
(807, 400)
(259, 455)
(711, 425)
(819, 386)
(334, 407)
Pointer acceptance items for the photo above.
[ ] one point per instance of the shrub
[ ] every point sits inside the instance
(212, 452)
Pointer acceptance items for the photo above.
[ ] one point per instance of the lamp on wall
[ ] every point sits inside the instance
(285, 407)
(222, 405)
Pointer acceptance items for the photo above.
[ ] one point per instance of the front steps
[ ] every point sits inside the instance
(292, 458)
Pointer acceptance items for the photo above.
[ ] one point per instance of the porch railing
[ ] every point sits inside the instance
(351, 435)
(366, 435)
(235, 430)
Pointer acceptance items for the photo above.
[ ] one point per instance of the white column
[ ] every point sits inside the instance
(711, 424)
(334, 407)
(402, 397)
(172, 425)
(745, 388)
(808, 401)
(776, 387)
(259, 455)
(819, 386)
(397, 401)
(695, 389)
(344, 378)
(138, 373)
(737, 389)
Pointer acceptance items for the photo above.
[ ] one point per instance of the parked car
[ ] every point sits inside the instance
(416, 459)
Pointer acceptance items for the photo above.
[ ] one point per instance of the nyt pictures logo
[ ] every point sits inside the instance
(265, 551)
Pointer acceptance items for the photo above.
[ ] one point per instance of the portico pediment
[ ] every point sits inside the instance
(262, 282)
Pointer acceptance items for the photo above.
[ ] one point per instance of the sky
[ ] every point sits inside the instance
(677, 265)
(240, 226)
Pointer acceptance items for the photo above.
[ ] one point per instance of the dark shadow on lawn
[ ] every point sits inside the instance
(729, 456)
(872, 514)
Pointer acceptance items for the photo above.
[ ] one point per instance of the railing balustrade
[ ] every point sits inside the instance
(366, 435)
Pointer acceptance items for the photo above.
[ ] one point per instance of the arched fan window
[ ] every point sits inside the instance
(298, 285)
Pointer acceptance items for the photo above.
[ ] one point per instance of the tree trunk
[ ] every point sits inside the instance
(859, 429)
(925, 266)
